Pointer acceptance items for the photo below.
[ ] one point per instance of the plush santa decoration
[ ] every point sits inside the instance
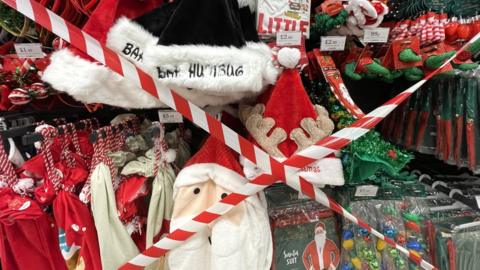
(285, 122)
(321, 253)
(239, 240)
(363, 14)
(207, 52)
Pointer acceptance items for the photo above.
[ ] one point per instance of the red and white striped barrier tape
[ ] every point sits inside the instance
(92, 47)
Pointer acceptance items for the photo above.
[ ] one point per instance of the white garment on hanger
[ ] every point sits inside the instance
(116, 245)
(14, 155)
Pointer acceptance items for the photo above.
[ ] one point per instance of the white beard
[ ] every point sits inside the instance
(320, 240)
(228, 245)
(194, 253)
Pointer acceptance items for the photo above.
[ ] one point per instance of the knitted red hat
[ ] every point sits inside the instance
(216, 162)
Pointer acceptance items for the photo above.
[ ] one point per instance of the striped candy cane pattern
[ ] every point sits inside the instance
(92, 47)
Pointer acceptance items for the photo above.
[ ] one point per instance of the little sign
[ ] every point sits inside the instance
(169, 116)
(376, 35)
(29, 50)
(289, 39)
(333, 43)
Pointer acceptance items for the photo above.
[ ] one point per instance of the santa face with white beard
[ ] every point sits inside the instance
(226, 242)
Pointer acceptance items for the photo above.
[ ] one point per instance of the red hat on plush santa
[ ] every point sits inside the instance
(285, 122)
(216, 162)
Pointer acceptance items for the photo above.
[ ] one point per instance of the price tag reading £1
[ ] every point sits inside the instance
(376, 35)
(169, 117)
(289, 39)
(366, 191)
(29, 50)
(333, 43)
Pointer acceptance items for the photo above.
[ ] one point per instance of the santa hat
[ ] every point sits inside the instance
(286, 122)
(75, 73)
(216, 162)
(208, 46)
(320, 225)
(200, 49)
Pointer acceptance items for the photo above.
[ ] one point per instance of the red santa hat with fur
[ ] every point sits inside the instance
(285, 122)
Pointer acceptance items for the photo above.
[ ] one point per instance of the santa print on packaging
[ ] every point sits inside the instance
(283, 15)
(306, 239)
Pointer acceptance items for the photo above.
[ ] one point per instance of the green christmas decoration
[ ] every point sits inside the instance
(436, 61)
(324, 23)
(369, 157)
(466, 66)
(409, 56)
(372, 71)
(350, 71)
(413, 74)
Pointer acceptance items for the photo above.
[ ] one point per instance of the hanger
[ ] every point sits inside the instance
(455, 206)
(466, 225)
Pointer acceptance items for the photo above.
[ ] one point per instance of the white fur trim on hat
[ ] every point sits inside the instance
(90, 82)
(129, 39)
(210, 70)
(202, 172)
(326, 171)
(252, 4)
(220, 70)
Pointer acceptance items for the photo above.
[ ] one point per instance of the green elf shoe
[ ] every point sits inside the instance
(436, 61)
(409, 56)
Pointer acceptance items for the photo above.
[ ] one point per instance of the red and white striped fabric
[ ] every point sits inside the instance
(8, 176)
(287, 170)
(430, 28)
(422, 23)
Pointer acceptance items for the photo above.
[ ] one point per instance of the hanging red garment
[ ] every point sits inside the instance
(77, 233)
(29, 236)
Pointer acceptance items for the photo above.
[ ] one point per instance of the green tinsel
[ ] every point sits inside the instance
(367, 156)
(324, 23)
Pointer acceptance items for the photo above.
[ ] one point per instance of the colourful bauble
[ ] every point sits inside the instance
(363, 232)
(347, 234)
(390, 232)
(414, 245)
(381, 245)
(412, 217)
(348, 244)
(357, 263)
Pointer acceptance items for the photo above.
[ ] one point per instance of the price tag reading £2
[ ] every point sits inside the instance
(376, 35)
(29, 50)
(366, 191)
(169, 117)
(333, 43)
(289, 39)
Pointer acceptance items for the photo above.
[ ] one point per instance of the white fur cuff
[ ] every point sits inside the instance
(90, 82)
